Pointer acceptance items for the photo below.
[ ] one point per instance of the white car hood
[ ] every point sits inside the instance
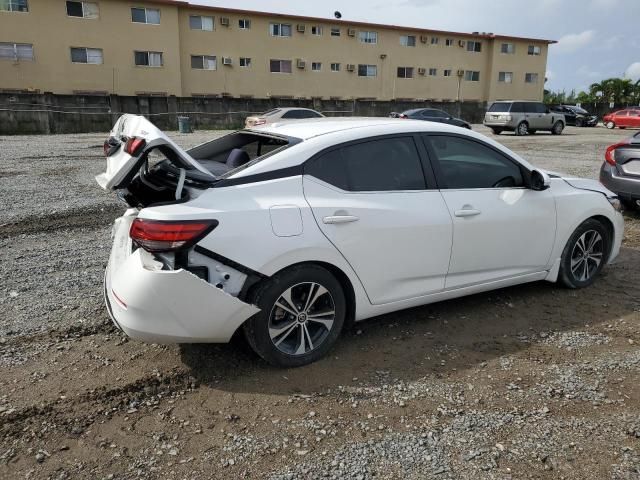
(583, 183)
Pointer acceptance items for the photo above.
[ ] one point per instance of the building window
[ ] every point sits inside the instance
(244, 24)
(14, 5)
(316, 66)
(367, 70)
(145, 15)
(87, 55)
(448, 42)
(16, 51)
(245, 62)
(505, 77)
(433, 72)
(280, 66)
(316, 30)
(280, 29)
(471, 76)
(530, 78)
(408, 40)
(435, 40)
(508, 48)
(447, 72)
(335, 67)
(368, 37)
(198, 22)
(82, 9)
(405, 72)
(474, 46)
(204, 62)
(148, 59)
(533, 50)
(335, 31)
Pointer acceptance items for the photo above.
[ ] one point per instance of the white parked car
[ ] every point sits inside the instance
(281, 114)
(289, 232)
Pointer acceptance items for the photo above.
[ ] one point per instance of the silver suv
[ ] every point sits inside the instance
(523, 118)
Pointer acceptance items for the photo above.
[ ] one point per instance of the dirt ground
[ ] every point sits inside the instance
(533, 381)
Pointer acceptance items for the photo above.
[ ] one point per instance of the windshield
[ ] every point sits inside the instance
(270, 112)
(500, 107)
(578, 110)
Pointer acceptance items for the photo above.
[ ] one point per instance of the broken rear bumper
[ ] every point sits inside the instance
(166, 306)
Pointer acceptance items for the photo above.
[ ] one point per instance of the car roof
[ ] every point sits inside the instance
(322, 126)
(514, 101)
(287, 109)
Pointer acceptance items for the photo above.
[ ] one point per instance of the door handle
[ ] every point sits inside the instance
(335, 219)
(467, 212)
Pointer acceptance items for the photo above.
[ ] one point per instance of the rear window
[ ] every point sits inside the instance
(270, 112)
(500, 107)
(232, 153)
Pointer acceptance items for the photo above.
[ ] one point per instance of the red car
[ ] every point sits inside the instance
(629, 117)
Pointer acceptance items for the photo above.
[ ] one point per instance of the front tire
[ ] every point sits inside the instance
(302, 314)
(557, 128)
(610, 125)
(584, 255)
(579, 122)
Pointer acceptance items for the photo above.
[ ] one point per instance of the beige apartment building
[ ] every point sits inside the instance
(168, 47)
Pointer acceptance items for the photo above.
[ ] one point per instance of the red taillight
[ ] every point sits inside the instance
(609, 154)
(165, 236)
(260, 121)
(402, 115)
(134, 146)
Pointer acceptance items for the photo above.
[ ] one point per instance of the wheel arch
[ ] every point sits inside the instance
(608, 225)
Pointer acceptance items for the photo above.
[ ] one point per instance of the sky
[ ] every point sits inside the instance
(597, 39)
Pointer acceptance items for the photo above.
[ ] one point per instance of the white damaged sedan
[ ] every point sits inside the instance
(290, 231)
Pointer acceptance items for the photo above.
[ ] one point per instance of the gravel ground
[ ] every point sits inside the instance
(527, 382)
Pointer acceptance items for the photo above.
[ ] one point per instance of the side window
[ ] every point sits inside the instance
(517, 107)
(530, 107)
(540, 108)
(305, 114)
(388, 164)
(469, 164)
(291, 114)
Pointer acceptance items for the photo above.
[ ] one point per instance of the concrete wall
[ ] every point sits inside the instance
(48, 113)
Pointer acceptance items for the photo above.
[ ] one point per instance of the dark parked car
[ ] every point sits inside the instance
(576, 116)
(620, 171)
(432, 115)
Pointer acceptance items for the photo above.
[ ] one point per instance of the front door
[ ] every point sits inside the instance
(501, 229)
(371, 201)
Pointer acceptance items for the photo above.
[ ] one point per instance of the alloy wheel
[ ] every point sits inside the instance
(523, 129)
(301, 318)
(610, 125)
(586, 256)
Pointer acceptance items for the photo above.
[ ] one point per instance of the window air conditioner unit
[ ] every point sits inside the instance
(224, 21)
(350, 67)
(300, 28)
(351, 32)
(227, 61)
(460, 73)
(300, 63)
(461, 43)
(422, 71)
(424, 38)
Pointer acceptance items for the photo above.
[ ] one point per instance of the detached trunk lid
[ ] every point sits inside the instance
(122, 166)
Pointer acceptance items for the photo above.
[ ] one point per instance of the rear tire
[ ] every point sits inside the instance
(302, 314)
(584, 255)
(557, 128)
(610, 125)
(522, 129)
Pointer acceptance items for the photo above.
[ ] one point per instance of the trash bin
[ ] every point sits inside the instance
(184, 125)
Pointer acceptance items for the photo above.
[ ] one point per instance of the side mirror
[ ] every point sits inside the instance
(539, 180)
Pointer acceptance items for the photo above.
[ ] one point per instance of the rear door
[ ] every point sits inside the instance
(371, 200)
(501, 229)
(634, 119)
(621, 119)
